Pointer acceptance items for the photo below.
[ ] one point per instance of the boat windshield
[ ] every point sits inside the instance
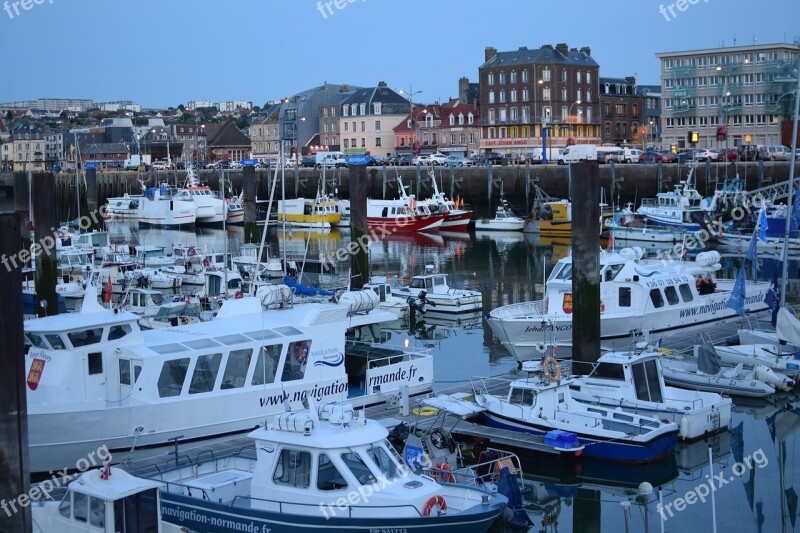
(359, 469)
(562, 272)
(385, 462)
(521, 396)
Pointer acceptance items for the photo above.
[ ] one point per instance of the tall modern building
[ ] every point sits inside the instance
(523, 90)
(731, 96)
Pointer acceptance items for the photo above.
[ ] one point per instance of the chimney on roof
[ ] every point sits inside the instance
(343, 88)
(489, 53)
(382, 84)
(562, 49)
(523, 48)
(586, 50)
(630, 80)
(573, 49)
(547, 46)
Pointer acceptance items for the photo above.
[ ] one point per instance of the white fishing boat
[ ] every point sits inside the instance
(634, 382)
(210, 207)
(401, 216)
(431, 287)
(504, 220)
(683, 207)
(305, 463)
(542, 403)
(152, 256)
(234, 211)
(161, 206)
(153, 278)
(784, 338)
(387, 300)
(95, 378)
(705, 373)
(635, 295)
(626, 226)
(750, 355)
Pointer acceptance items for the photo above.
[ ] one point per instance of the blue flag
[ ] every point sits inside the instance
(771, 298)
(762, 225)
(795, 214)
(736, 301)
(751, 250)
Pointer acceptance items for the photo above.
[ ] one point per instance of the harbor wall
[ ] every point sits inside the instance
(480, 187)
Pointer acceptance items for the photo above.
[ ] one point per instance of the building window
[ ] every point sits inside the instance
(502, 78)
(376, 108)
(514, 116)
(526, 114)
(377, 141)
(491, 97)
(635, 109)
(377, 125)
(524, 95)
(462, 138)
(344, 110)
(471, 138)
(470, 118)
(345, 127)
(513, 77)
(588, 76)
(362, 109)
(589, 115)
(452, 138)
(578, 76)
(588, 96)
(363, 125)
(546, 94)
(353, 142)
(513, 95)
(490, 78)
(324, 113)
(524, 76)
(502, 97)
(546, 75)
(461, 118)
(353, 109)
(325, 128)
(452, 120)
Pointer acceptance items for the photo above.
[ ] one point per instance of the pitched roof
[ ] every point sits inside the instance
(104, 148)
(392, 103)
(543, 55)
(226, 134)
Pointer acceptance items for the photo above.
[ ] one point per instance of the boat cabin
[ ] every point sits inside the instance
(112, 503)
(152, 256)
(628, 376)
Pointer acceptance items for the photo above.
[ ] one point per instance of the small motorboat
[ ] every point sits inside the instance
(542, 403)
(321, 468)
(634, 382)
(705, 373)
(504, 220)
(431, 287)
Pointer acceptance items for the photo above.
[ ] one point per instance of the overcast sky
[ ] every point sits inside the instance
(166, 52)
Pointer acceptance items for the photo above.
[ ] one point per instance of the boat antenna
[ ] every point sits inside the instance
(264, 232)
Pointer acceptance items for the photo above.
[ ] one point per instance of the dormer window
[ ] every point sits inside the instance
(376, 108)
(363, 109)
(344, 110)
(461, 118)
(470, 118)
(452, 120)
(353, 109)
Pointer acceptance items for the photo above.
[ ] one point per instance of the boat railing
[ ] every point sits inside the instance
(246, 502)
(367, 349)
(680, 403)
(486, 470)
(649, 202)
(491, 387)
(519, 310)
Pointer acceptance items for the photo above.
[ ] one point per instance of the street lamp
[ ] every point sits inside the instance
(545, 118)
(415, 129)
(569, 115)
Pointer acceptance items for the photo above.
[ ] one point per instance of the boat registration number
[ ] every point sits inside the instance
(721, 381)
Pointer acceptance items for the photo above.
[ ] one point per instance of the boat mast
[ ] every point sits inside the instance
(789, 212)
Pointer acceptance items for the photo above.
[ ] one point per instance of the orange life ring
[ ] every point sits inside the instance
(552, 370)
(239, 294)
(434, 501)
(192, 251)
(443, 472)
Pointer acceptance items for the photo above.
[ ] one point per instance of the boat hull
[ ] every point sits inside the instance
(407, 224)
(641, 452)
(522, 328)
(458, 222)
(208, 516)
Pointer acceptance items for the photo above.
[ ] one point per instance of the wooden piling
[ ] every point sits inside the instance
(21, 192)
(359, 257)
(586, 306)
(14, 469)
(249, 186)
(44, 246)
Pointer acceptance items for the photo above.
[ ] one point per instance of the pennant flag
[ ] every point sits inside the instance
(736, 301)
(751, 250)
(658, 344)
(109, 290)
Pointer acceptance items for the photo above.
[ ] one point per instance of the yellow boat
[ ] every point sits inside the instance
(310, 213)
(556, 219)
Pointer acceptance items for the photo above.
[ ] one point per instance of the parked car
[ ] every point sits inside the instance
(457, 161)
(775, 153)
(180, 165)
(308, 162)
(654, 157)
(438, 159)
(421, 160)
(236, 165)
(161, 165)
(727, 155)
(748, 152)
(403, 160)
(222, 165)
(797, 153)
(263, 164)
(708, 154)
(685, 156)
(211, 165)
(377, 161)
(618, 156)
(495, 158)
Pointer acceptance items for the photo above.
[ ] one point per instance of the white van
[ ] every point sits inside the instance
(631, 155)
(577, 153)
(330, 159)
(535, 157)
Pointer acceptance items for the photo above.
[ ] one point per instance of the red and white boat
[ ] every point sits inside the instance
(455, 218)
(402, 216)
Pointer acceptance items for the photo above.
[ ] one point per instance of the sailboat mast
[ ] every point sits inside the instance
(789, 202)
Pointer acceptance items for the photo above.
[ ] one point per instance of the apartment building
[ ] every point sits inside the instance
(731, 96)
(367, 120)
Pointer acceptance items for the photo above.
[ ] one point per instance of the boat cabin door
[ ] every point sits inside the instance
(646, 381)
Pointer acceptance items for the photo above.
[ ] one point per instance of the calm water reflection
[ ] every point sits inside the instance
(510, 267)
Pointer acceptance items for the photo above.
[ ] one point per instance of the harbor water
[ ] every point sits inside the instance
(754, 465)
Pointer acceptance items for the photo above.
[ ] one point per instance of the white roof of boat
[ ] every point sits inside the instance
(627, 357)
(118, 485)
(453, 404)
(325, 436)
(236, 327)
